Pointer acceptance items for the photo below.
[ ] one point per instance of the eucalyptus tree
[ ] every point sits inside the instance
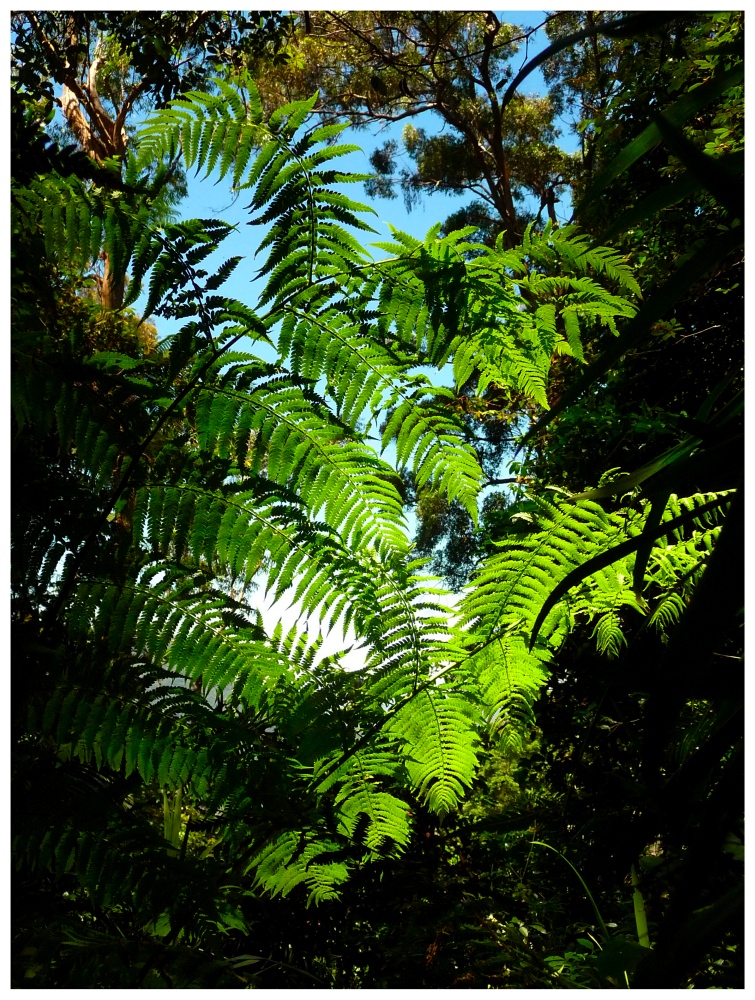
(112, 67)
(385, 67)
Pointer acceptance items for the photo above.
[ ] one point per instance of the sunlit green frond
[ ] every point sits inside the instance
(512, 585)
(511, 678)
(439, 737)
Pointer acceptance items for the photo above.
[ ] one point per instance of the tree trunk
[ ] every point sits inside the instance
(113, 286)
(101, 138)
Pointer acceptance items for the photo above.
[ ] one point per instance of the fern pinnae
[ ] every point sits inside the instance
(346, 463)
(631, 545)
(440, 746)
(360, 794)
(271, 454)
(380, 366)
(510, 587)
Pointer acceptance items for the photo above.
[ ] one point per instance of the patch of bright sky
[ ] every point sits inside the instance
(210, 200)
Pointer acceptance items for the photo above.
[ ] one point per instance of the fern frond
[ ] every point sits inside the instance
(360, 795)
(668, 612)
(513, 584)
(76, 227)
(439, 740)
(511, 678)
(510, 324)
(431, 438)
(609, 635)
(296, 442)
(291, 861)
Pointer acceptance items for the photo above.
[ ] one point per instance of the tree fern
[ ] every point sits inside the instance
(196, 471)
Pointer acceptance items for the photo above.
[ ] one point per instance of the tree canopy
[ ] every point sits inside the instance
(388, 67)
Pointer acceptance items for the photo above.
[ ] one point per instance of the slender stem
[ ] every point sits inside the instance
(603, 927)
(640, 914)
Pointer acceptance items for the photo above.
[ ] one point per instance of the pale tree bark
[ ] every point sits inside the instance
(100, 136)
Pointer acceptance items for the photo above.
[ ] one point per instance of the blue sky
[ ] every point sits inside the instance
(209, 200)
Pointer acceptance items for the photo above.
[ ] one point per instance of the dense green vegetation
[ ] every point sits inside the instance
(534, 779)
